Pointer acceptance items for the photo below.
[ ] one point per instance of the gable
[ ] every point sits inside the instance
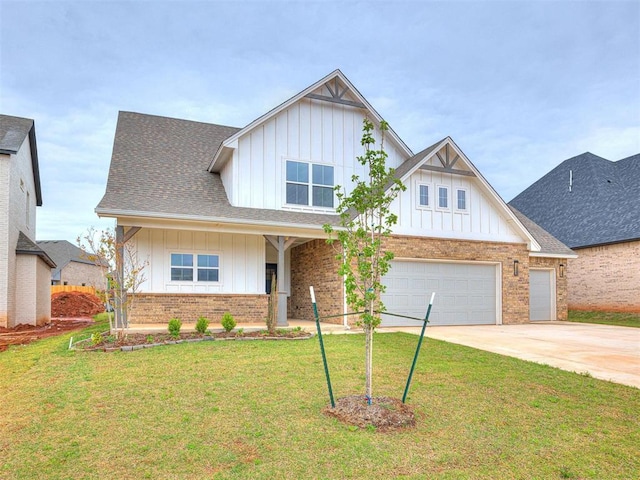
(447, 197)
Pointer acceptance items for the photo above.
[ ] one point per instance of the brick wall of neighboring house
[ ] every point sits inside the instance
(76, 273)
(43, 292)
(314, 263)
(162, 307)
(561, 282)
(605, 278)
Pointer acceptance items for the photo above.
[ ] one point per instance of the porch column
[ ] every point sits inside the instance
(281, 244)
(119, 298)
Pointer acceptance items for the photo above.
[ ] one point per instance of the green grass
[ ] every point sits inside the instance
(253, 410)
(606, 318)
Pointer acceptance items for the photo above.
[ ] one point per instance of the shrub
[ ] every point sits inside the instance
(201, 325)
(96, 338)
(174, 327)
(228, 322)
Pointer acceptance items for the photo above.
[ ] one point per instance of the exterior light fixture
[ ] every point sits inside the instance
(516, 264)
(561, 270)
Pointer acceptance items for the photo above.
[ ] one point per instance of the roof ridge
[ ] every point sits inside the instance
(175, 118)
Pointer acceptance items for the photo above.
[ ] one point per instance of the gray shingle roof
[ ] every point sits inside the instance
(159, 168)
(602, 207)
(549, 244)
(62, 252)
(25, 246)
(13, 131)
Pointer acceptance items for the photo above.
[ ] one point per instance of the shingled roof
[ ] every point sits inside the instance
(25, 246)
(13, 131)
(159, 169)
(63, 252)
(586, 200)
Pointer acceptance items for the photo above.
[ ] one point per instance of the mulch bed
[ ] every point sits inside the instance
(385, 413)
(143, 340)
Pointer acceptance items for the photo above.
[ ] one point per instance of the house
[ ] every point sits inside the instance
(73, 266)
(593, 205)
(215, 209)
(25, 269)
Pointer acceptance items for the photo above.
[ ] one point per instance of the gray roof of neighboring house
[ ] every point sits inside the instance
(62, 252)
(602, 206)
(159, 167)
(13, 131)
(25, 246)
(549, 244)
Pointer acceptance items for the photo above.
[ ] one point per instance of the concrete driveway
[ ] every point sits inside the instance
(606, 352)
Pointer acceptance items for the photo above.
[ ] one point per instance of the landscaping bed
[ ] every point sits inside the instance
(136, 341)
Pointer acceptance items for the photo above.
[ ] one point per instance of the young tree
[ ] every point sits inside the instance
(366, 221)
(122, 270)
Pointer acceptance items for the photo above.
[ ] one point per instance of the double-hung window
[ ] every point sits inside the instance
(423, 195)
(299, 182)
(187, 267)
(461, 200)
(443, 197)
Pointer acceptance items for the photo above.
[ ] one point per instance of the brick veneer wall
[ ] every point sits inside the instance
(314, 263)
(606, 278)
(561, 282)
(162, 307)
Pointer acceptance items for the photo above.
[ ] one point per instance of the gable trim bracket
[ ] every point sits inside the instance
(452, 171)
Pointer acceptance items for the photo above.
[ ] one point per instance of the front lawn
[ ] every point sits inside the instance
(605, 318)
(253, 410)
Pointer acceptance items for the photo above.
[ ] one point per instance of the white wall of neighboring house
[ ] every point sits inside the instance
(242, 260)
(17, 174)
(5, 162)
(311, 131)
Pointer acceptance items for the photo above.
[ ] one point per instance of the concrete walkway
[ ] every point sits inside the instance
(606, 352)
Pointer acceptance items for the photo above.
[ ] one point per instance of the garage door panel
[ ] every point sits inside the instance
(465, 292)
(541, 295)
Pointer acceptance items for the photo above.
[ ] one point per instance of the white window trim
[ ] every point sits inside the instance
(195, 254)
(429, 205)
(309, 207)
(466, 199)
(437, 198)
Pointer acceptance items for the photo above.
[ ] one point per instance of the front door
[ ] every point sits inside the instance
(271, 268)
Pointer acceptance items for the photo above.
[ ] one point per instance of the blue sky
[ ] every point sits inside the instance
(519, 85)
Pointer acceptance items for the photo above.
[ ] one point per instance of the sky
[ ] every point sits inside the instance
(520, 86)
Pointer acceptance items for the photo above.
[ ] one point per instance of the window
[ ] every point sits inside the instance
(423, 195)
(207, 267)
(461, 197)
(298, 184)
(443, 197)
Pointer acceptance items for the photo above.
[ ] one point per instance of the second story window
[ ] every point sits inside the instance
(299, 182)
(443, 198)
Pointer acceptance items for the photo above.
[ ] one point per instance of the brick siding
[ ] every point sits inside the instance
(606, 278)
(162, 307)
(314, 264)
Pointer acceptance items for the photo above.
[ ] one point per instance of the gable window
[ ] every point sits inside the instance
(206, 268)
(443, 197)
(423, 195)
(461, 200)
(299, 183)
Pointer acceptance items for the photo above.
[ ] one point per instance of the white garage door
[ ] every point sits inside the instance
(541, 295)
(465, 293)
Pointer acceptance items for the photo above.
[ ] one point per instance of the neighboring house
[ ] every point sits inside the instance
(215, 209)
(73, 266)
(593, 206)
(25, 269)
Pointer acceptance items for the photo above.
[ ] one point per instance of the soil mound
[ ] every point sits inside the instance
(384, 413)
(75, 304)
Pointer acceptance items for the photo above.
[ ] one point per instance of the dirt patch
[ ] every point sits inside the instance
(24, 334)
(75, 304)
(385, 413)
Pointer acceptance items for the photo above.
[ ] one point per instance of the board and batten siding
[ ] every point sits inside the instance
(308, 131)
(242, 260)
(483, 220)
